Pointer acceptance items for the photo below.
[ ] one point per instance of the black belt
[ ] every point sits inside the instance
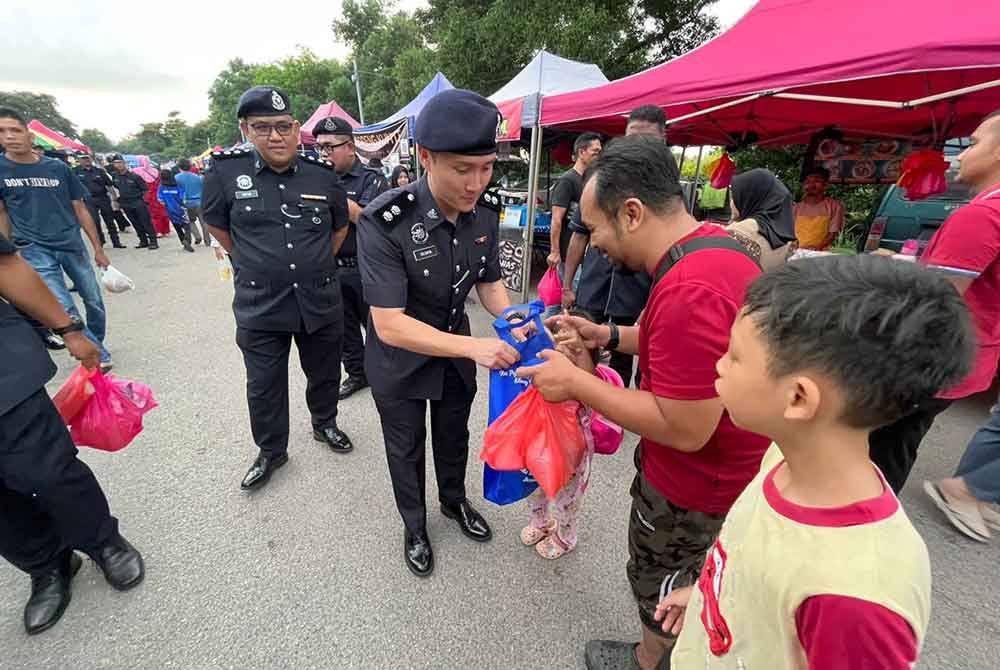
(347, 261)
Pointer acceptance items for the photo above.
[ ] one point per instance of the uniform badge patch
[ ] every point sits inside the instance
(425, 253)
(309, 196)
(329, 124)
(243, 195)
(480, 241)
(243, 182)
(277, 102)
(418, 233)
(432, 214)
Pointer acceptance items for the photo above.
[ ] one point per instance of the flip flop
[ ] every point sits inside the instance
(552, 548)
(532, 535)
(968, 522)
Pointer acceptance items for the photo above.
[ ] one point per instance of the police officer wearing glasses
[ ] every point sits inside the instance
(422, 248)
(335, 142)
(282, 218)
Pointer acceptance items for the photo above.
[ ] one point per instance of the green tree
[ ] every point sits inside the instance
(223, 95)
(308, 80)
(96, 140)
(41, 106)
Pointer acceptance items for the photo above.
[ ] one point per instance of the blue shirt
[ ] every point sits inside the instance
(39, 199)
(191, 183)
(172, 198)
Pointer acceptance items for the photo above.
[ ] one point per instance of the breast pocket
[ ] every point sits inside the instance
(250, 289)
(315, 220)
(478, 260)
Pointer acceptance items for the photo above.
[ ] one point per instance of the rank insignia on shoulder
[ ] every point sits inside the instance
(229, 153)
(491, 200)
(395, 207)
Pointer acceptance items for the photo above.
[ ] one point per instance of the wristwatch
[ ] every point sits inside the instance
(73, 327)
(613, 338)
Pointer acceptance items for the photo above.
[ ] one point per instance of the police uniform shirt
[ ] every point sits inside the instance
(25, 365)
(362, 186)
(95, 180)
(131, 186)
(411, 257)
(281, 226)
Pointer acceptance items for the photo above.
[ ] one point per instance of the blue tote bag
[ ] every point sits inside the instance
(502, 486)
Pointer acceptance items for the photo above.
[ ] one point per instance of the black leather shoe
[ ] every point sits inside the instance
(262, 469)
(153, 247)
(52, 341)
(418, 554)
(50, 595)
(334, 438)
(142, 246)
(469, 520)
(121, 564)
(352, 386)
(120, 246)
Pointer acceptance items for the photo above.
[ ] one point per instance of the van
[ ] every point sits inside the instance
(896, 219)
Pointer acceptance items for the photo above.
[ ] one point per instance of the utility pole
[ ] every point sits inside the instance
(357, 87)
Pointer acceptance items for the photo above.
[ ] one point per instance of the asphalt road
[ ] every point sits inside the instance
(308, 573)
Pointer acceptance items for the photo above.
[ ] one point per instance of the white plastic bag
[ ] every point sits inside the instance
(115, 281)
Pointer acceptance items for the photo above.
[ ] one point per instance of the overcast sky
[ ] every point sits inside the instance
(114, 64)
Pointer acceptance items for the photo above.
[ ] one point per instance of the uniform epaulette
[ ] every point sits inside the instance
(490, 199)
(393, 207)
(229, 153)
(322, 162)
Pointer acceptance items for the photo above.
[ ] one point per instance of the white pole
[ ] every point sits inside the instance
(534, 162)
(357, 88)
(694, 186)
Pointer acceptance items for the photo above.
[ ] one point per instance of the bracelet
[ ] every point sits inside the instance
(73, 327)
(614, 338)
(514, 316)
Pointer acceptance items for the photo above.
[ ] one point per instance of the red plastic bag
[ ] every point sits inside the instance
(923, 174)
(543, 437)
(722, 172)
(550, 288)
(74, 394)
(112, 417)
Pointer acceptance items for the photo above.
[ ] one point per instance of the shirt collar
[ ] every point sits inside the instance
(356, 169)
(991, 192)
(429, 209)
(259, 164)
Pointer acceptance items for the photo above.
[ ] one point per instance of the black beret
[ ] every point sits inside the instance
(333, 125)
(263, 101)
(458, 121)
(82, 154)
(115, 157)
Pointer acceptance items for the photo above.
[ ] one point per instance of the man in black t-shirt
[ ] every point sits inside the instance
(566, 196)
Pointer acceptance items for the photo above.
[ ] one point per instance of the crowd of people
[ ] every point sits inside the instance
(760, 532)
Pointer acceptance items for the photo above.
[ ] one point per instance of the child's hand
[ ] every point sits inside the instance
(671, 610)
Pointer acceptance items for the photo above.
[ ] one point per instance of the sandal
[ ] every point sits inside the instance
(552, 547)
(532, 535)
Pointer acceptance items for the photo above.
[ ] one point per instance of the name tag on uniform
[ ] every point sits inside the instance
(424, 253)
(319, 198)
(243, 195)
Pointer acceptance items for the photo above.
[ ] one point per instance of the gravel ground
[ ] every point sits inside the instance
(308, 572)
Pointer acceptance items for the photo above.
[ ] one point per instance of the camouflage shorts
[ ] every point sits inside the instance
(667, 546)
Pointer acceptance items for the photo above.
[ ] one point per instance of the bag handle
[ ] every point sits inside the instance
(679, 251)
(533, 311)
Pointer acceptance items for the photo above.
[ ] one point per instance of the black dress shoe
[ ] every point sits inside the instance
(469, 520)
(352, 386)
(262, 469)
(418, 554)
(334, 438)
(120, 246)
(50, 594)
(121, 564)
(142, 246)
(153, 247)
(52, 341)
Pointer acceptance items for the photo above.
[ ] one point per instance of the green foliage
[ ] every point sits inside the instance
(691, 161)
(41, 106)
(308, 80)
(223, 95)
(96, 140)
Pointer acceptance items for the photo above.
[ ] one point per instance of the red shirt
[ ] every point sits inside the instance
(840, 632)
(683, 333)
(968, 245)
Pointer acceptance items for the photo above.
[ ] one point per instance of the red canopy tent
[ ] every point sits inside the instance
(899, 68)
(56, 140)
(326, 109)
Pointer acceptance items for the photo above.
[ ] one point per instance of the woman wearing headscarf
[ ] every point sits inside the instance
(400, 176)
(762, 217)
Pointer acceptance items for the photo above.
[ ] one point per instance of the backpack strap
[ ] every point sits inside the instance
(679, 251)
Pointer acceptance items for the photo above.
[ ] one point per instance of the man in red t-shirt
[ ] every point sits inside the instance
(967, 249)
(693, 462)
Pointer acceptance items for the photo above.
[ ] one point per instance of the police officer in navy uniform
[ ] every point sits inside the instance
(96, 183)
(335, 142)
(282, 219)
(422, 248)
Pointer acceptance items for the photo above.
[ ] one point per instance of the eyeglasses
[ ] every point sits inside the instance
(264, 129)
(327, 148)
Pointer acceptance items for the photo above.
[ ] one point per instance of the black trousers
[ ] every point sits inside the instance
(893, 448)
(265, 354)
(138, 214)
(121, 220)
(404, 428)
(355, 319)
(100, 208)
(50, 502)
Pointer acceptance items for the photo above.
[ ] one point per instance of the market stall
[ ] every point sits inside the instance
(326, 109)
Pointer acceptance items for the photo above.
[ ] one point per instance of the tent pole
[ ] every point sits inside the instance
(680, 166)
(952, 94)
(715, 108)
(694, 186)
(534, 163)
(844, 101)
(416, 158)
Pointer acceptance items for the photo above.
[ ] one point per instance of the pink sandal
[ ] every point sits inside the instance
(532, 535)
(552, 547)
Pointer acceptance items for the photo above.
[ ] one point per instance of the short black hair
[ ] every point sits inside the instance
(649, 114)
(891, 334)
(635, 167)
(818, 171)
(184, 164)
(583, 141)
(11, 113)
